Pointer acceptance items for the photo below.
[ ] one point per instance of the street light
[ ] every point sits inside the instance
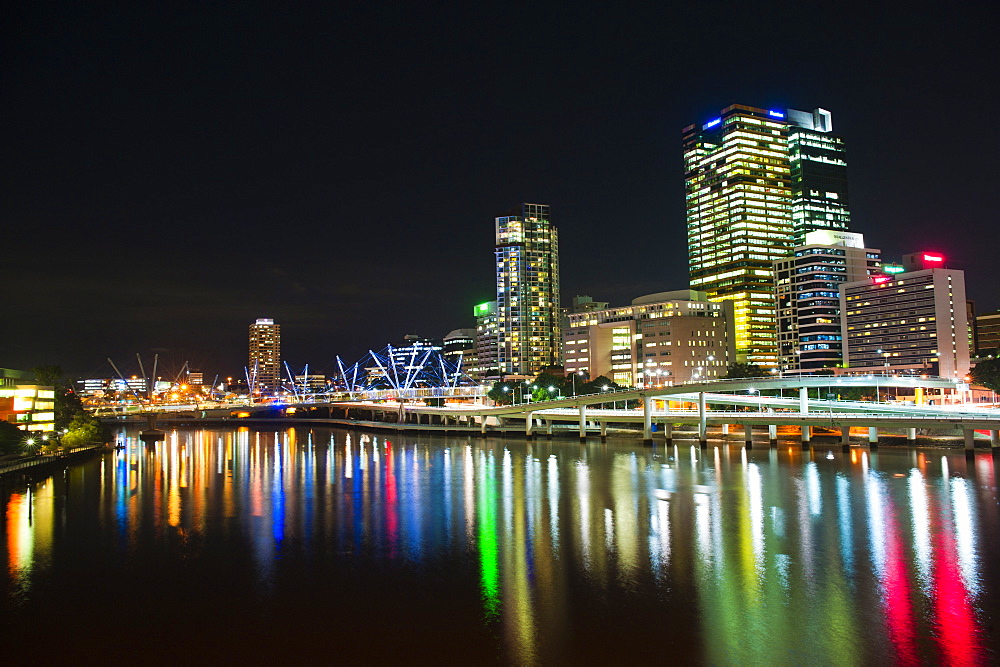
(580, 373)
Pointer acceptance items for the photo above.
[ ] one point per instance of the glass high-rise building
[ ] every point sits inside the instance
(755, 180)
(529, 338)
(819, 174)
(264, 368)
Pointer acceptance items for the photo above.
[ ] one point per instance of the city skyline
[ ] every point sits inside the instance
(139, 186)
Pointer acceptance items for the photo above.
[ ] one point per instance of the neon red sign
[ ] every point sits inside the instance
(933, 258)
(878, 280)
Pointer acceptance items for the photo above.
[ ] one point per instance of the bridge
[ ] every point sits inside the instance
(465, 409)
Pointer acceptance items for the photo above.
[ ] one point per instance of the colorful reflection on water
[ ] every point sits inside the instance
(533, 551)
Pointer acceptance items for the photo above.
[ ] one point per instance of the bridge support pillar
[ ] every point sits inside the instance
(995, 439)
(482, 424)
(772, 434)
(725, 429)
(583, 424)
(668, 431)
(806, 431)
(803, 399)
(604, 432)
(529, 419)
(911, 436)
(970, 440)
(548, 429)
(845, 438)
(702, 422)
(872, 437)
(647, 420)
(748, 435)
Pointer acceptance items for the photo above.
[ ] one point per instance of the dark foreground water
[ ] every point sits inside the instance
(335, 546)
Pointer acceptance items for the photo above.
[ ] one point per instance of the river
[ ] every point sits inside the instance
(329, 545)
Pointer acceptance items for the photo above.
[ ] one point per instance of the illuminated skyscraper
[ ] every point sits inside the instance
(755, 180)
(264, 367)
(527, 262)
(819, 174)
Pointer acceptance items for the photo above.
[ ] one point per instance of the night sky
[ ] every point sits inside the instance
(171, 172)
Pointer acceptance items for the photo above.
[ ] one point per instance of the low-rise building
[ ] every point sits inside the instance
(659, 340)
(29, 406)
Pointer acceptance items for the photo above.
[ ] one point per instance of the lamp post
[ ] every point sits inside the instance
(574, 380)
(604, 389)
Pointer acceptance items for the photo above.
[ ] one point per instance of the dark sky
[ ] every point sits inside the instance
(171, 172)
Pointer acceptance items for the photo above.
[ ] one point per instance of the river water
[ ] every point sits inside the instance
(328, 545)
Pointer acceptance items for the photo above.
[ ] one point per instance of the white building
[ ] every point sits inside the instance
(913, 321)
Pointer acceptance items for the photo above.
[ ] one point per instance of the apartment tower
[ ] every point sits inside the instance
(263, 369)
(529, 339)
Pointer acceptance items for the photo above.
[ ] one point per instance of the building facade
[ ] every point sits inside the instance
(528, 309)
(913, 322)
(988, 333)
(755, 179)
(807, 298)
(30, 407)
(487, 342)
(819, 174)
(459, 347)
(264, 367)
(660, 340)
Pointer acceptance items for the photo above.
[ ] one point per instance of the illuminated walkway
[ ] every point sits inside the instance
(591, 413)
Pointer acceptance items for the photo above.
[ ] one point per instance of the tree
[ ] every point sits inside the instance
(738, 370)
(83, 430)
(10, 438)
(502, 393)
(987, 374)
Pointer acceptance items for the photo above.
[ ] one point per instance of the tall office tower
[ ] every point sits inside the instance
(264, 369)
(819, 174)
(527, 262)
(754, 178)
(914, 321)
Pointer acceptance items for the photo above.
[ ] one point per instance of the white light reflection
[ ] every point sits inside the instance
(755, 491)
(920, 520)
(609, 530)
(963, 512)
(659, 537)
(583, 500)
(553, 484)
(813, 489)
(844, 522)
